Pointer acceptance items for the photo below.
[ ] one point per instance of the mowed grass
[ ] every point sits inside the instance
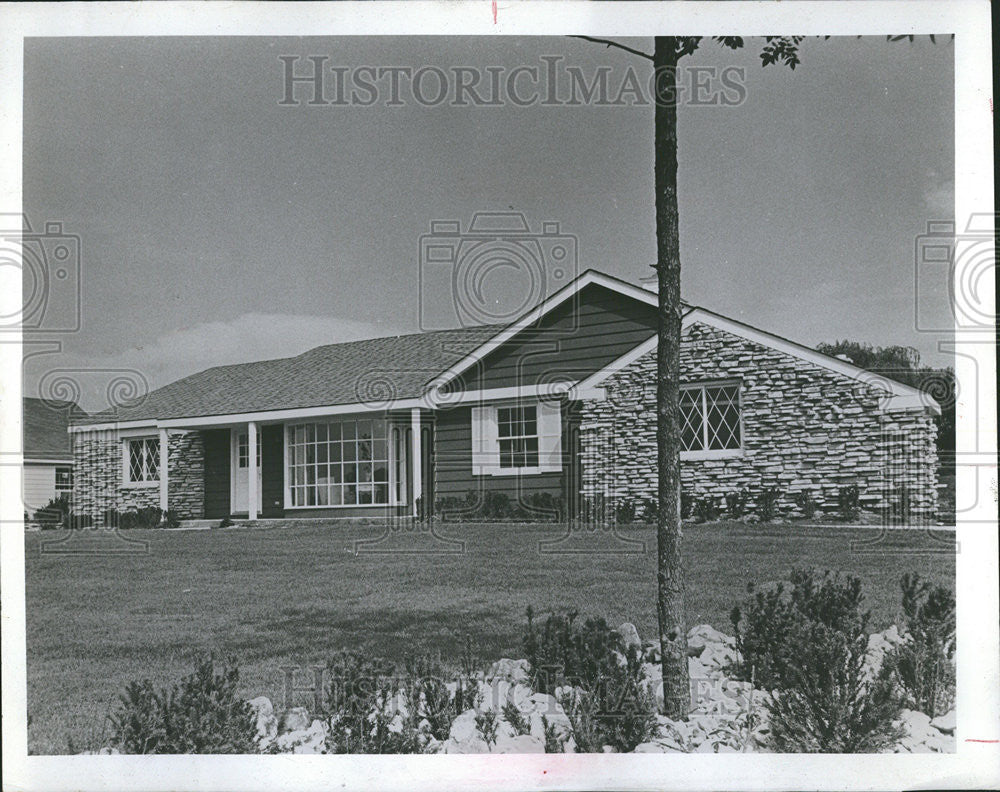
(99, 615)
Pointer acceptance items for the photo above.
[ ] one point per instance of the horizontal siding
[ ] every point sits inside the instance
(453, 475)
(39, 486)
(574, 340)
(272, 470)
(217, 451)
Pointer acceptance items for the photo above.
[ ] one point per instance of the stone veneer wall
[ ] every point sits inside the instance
(186, 482)
(804, 428)
(98, 481)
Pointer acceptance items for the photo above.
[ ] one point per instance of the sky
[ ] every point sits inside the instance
(217, 225)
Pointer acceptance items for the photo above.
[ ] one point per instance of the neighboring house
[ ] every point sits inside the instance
(48, 455)
(561, 402)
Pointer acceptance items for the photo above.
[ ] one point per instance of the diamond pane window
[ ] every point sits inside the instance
(692, 422)
(143, 459)
(710, 417)
(517, 433)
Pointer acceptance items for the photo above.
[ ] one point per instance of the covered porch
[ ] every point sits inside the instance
(325, 465)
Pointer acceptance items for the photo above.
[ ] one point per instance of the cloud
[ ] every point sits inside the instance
(939, 196)
(245, 338)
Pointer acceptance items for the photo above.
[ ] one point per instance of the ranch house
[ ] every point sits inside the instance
(561, 401)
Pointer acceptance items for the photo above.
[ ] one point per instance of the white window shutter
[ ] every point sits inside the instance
(549, 437)
(485, 448)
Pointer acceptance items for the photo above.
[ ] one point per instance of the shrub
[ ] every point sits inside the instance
(923, 665)
(515, 718)
(687, 505)
(361, 708)
(146, 517)
(848, 502)
(486, 726)
(706, 510)
(225, 522)
(804, 500)
(545, 506)
(54, 514)
(736, 504)
(610, 704)
(563, 649)
(625, 511)
(767, 504)
(650, 510)
(554, 741)
(434, 701)
(496, 505)
(171, 519)
(809, 644)
(202, 714)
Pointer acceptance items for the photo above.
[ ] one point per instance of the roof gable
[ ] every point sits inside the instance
(45, 426)
(898, 394)
(551, 321)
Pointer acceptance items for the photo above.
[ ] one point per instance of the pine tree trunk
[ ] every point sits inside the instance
(670, 574)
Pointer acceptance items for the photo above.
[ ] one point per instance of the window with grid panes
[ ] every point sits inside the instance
(710, 417)
(338, 463)
(517, 434)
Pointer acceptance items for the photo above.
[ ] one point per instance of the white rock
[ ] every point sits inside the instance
(512, 671)
(651, 747)
(267, 722)
(892, 636)
(553, 714)
(630, 635)
(696, 670)
(463, 728)
(495, 695)
(296, 719)
(915, 722)
(945, 723)
(707, 635)
(473, 745)
(519, 744)
(545, 704)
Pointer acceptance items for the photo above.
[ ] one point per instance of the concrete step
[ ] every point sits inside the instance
(197, 525)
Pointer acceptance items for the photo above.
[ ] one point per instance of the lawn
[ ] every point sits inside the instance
(100, 614)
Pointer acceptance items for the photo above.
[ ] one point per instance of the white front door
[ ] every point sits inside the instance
(240, 478)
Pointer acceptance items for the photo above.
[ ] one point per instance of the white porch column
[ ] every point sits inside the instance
(252, 470)
(418, 478)
(164, 469)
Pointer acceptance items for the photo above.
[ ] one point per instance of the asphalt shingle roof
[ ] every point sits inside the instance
(373, 370)
(44, 428)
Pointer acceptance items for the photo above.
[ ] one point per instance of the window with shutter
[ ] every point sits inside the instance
(516, 439)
